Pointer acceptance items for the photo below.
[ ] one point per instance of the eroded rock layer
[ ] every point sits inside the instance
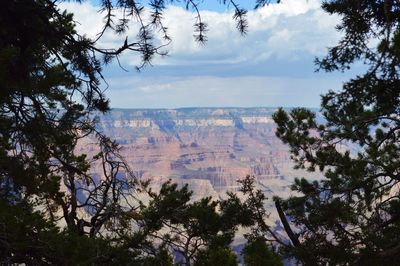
(208, 148)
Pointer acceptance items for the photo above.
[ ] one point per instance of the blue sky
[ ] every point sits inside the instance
(271, 66)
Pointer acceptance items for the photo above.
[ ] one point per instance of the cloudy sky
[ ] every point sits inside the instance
(271, 66)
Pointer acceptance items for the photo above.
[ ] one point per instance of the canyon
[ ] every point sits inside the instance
(207, 148)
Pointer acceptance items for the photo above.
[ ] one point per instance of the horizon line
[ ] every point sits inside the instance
(210, 107)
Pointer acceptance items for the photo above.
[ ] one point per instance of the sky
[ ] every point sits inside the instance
(272, 65)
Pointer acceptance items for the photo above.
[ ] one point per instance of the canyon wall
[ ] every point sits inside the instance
(207, 148)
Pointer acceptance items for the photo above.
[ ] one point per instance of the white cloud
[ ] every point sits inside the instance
(286, 30)
(230, 70)
(155, 88)
(88, 20)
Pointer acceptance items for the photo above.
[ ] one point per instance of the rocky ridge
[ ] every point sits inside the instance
(207, 148)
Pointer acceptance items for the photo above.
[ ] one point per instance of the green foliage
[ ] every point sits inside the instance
(249, 211)
(216, 256)
(50, 93)
(161, 258)
(351, 216)
(44, 66)
(194, 229)
(257, 253)
(26, 237)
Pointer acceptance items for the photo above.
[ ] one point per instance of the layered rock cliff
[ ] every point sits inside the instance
(208, 148)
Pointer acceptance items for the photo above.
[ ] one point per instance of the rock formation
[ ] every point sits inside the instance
(208, 148)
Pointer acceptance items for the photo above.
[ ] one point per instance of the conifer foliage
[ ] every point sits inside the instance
(352, 215)
(53, 209)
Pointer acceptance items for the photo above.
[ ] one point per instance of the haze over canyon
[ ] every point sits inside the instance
(207, 148)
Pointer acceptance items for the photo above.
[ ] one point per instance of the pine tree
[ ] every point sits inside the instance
(52, 209)
(351, 216)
